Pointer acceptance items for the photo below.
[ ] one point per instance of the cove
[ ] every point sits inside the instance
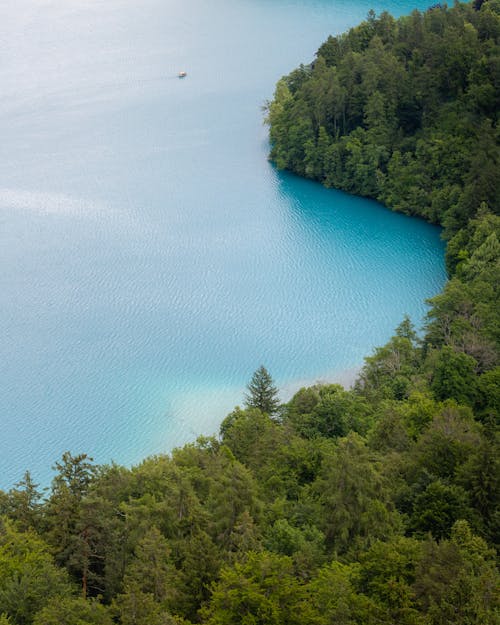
(152, 258)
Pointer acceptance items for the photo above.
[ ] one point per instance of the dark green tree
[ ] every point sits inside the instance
(151, 570)
(456, 580)
(72, 521)
(437, 509)
(24, 503)
(262, 393)
(453, 376)
(354, 497)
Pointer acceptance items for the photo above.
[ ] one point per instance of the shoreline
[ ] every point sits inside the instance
(344, 377)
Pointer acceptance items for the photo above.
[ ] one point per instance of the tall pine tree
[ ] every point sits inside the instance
(262, 393)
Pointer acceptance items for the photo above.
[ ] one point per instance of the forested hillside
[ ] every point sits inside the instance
(372, 506)
(404, 111)
(377, 505)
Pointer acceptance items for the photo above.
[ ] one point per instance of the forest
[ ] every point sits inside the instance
(377, 505)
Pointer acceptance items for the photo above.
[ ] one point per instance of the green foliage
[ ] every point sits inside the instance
(480, 477)
(73, 611)
(332, 595)
(450, 439)
(406, 111)
(437, 508)
(250, 434)
(395, 108)
(233, 496)
(201, 535)
(151, 569)
(328, 411)
(73, 527)
(453, 376)
(387, 574)
(24, 503)
(261, 591)
(390, 371)
(262, 393)
(134, 607)
(397, 477)
(354, 498)
(390, 432)
(455, 580)
(29, 578)
(304, 545)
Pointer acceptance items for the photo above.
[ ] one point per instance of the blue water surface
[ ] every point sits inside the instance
(151, 257)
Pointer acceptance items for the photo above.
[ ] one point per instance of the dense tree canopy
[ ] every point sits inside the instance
(404, 111)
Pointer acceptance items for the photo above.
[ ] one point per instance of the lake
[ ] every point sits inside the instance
(152, 258)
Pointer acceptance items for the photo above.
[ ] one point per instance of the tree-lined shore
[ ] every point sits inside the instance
(377, 505)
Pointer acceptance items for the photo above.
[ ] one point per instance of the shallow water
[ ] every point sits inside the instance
(152, 258)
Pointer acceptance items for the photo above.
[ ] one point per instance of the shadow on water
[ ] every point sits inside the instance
(365, 228)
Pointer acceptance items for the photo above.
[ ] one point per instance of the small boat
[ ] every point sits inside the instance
(182, 74)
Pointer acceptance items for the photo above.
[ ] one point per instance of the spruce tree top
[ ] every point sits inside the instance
(262, 393)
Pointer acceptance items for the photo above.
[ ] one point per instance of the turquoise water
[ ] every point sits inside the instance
(152, 258)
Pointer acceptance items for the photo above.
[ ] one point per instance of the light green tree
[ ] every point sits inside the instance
(260, 591)
(29, 579)
(73, 611)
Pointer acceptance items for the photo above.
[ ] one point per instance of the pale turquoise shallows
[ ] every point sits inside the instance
(151, 257)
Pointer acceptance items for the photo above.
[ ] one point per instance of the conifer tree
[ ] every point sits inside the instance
(262, 393)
